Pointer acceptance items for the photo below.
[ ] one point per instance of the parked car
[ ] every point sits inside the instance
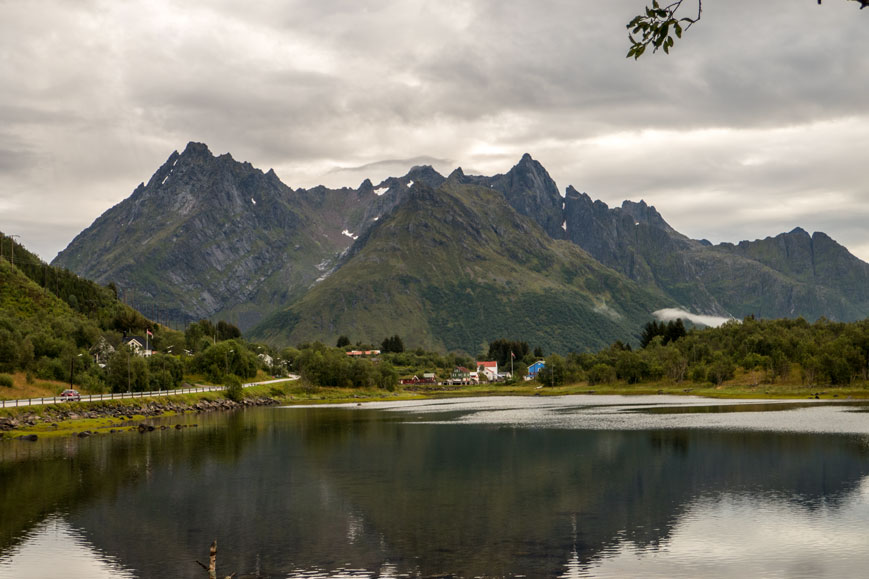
(70, 395)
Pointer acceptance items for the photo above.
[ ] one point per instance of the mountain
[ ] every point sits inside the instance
(456, 267)
(211, 237)
(791, 275)
(528, 189)
(447, 262)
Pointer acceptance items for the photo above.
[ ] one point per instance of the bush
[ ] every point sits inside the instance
(601, 374)
(234, 389)
(6, 380)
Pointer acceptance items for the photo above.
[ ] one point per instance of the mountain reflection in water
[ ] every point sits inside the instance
(446, 489)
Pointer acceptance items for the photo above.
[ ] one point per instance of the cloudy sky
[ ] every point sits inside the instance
(755, 124)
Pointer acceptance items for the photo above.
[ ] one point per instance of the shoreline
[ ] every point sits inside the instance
(84, 419)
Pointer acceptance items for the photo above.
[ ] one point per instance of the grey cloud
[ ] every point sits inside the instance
(304, 87)
(391, 163)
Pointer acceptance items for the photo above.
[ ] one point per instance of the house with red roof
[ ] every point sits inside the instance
(490, 369)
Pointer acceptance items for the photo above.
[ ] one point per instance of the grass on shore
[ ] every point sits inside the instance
(22, 389)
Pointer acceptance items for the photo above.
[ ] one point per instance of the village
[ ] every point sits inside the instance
(485, 372)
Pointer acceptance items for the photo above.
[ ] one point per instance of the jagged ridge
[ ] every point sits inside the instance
(212, 237)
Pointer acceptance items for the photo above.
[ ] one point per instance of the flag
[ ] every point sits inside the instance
(512, 355)
(147, 331)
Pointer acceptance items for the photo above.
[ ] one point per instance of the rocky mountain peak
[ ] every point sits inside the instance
(457, 175)
(425, 174)
(647, 214)
(571, 193)
(194, 149)
(366, 187)
(530, 190)
(528, 168)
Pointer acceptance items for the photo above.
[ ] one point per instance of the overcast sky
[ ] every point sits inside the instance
(756, 123)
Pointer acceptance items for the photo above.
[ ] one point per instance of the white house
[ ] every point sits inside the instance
(137, 345)
(490, 369)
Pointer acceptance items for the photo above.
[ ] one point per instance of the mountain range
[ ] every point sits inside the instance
(448, 263)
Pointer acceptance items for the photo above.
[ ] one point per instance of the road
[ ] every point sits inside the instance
(123, 395)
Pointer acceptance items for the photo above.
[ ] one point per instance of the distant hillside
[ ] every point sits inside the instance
(50, 318)
(99, 304)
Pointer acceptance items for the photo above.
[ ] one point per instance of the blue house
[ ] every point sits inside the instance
(534, 368)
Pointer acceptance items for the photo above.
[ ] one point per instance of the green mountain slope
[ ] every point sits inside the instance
(455, 267)
(50, 318)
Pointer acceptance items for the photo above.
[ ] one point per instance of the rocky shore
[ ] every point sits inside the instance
(57, 415)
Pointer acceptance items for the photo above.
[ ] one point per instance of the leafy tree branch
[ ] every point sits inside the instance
(659, 26)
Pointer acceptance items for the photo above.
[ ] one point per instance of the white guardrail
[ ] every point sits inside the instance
(122, 395)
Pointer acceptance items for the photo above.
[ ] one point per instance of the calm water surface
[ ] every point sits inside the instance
(536, 487)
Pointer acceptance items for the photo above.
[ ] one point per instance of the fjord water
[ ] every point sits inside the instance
(536, 487)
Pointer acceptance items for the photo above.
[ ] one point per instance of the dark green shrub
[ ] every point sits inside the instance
(601, 374)
(234, 389)
(6, 380)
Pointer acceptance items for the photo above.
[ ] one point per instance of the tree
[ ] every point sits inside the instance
(342, 342)
(386, 376)
(230, 357)
(166, 372)
(502, 351)
(126, 372)
(670, 332)
(554, 372)
(630, 367)
(234, 390)
(658, 24)
(227, 331)
(601, 374)
(392, 344)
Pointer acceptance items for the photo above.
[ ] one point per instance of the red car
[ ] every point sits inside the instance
(70, 395)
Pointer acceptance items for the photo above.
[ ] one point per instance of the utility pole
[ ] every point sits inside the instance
(71, 369)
